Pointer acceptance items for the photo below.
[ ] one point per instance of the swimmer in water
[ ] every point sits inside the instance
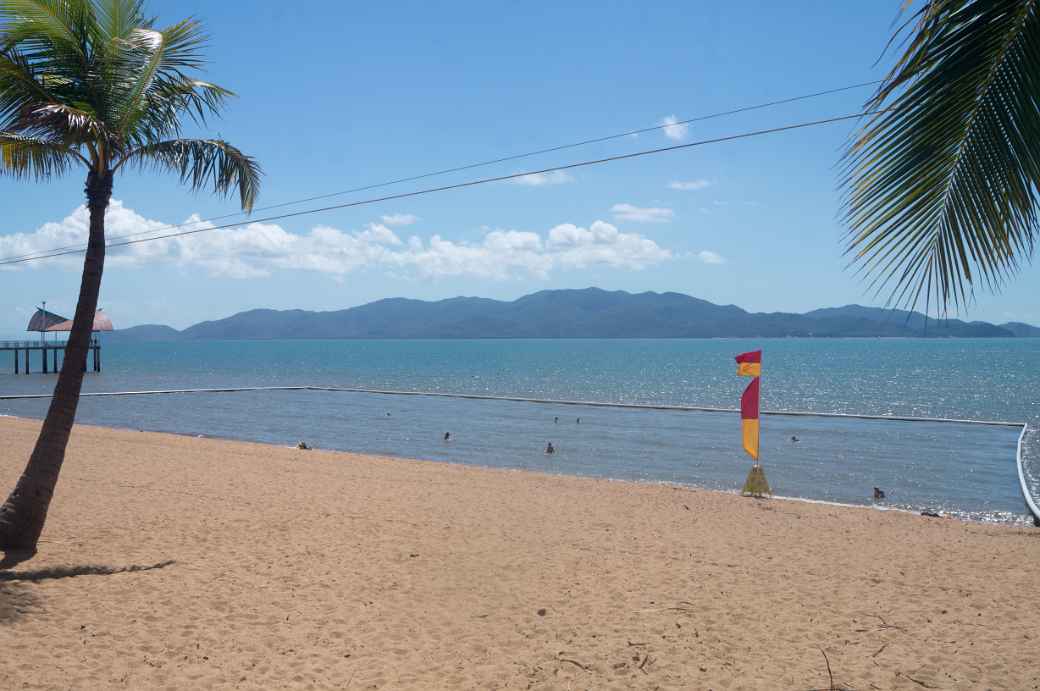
(447, 436)
(795, 440)
(556, 420)
(578, 422)
(550, 449)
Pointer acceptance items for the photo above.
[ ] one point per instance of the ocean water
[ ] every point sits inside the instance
(967, 470)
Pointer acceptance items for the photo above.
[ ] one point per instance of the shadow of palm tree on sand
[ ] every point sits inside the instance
(17, 597)
(52, 572)
(16, 600)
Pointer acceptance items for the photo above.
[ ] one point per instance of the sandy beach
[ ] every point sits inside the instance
(174, 562)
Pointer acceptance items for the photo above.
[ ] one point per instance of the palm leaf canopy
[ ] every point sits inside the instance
(95, 82)
(942, 183)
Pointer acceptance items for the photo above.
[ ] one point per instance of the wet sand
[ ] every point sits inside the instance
(175, 562)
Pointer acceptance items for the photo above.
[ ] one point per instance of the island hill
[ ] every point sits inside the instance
(588, 313)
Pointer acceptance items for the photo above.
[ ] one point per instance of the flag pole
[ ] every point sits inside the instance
(750, 365)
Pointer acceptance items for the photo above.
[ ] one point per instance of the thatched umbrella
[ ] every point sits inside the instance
(101, 323)
(43, 320)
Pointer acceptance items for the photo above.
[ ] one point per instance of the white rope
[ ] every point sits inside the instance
(29, 396)
(519, 399)
(1026, 491)
(1019, 459)
(661, 406)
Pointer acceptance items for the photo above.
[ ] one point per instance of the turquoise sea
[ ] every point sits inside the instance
(967, 470)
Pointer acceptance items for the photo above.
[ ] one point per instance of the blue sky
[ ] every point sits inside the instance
(335, 95)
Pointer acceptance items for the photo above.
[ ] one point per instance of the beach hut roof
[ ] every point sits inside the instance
(101, 323)
(43, 320)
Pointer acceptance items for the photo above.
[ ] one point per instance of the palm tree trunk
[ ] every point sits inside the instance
(23, 514)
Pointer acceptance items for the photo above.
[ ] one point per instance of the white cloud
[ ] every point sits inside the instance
(553, 177)
(399, 219)
(603, 243)
(258, 249)
(689, 185)
(640, 214)
(709, 257)
(673, 129)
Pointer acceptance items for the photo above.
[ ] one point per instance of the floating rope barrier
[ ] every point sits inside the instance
(156, 392)
(1019, 454)
(1027, 492)
(662, 406)
(521, 399)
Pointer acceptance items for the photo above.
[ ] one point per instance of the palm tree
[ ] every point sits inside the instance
(94, 83)
(943, 183)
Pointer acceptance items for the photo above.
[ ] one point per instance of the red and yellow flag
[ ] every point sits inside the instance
(749, 418)
(750, 365)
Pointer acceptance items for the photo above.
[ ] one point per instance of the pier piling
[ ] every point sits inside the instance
(48, 366)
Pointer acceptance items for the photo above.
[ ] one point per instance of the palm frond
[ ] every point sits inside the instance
(65, 122)
(117, 18)
(168, 99)
(31, 109)
(19, 86)
(159, 91)
(38, 19)
(144, 50)
(56, 38)
(58, 28)
(184, 43)
(943, 186)
(96, 76)
(202, 163)
(28, 157)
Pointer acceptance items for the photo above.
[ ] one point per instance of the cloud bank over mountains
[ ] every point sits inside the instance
(258, 249)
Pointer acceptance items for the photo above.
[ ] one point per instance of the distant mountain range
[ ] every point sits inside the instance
(588, 313)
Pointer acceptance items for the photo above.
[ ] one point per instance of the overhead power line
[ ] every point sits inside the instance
(471, 166)
(468, 183)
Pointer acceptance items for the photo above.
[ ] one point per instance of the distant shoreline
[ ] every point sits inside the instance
(122, 338)
(586, 313)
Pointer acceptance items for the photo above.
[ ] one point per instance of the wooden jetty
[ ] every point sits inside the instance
(44, 322)
(49, 360)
